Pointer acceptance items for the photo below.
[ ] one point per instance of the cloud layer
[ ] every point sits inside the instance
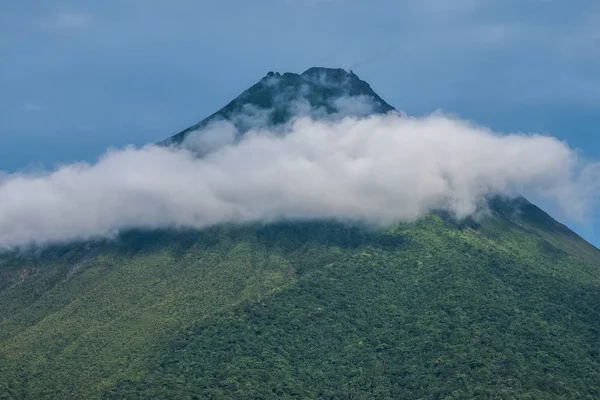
(378, 169)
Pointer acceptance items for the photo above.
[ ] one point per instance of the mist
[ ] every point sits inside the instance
(377, 169)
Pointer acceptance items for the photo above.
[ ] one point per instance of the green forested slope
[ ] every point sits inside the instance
(508, 307)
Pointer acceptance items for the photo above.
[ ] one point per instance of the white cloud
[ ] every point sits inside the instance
(359, 106)
(379, 169)
(215, 135)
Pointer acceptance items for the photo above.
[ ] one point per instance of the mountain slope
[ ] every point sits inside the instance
(503, 307)
(426, 320)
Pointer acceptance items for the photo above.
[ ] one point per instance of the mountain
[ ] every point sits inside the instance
(506, 306)
(276, 98)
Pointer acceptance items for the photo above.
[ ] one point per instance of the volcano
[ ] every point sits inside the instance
(504, 306)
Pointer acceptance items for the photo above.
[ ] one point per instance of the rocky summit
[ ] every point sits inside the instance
(276, 98)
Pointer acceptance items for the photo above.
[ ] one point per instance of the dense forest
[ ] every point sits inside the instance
(503, 307)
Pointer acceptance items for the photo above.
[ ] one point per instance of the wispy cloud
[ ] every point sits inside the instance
(582, 42)
(5, 40)
(67, 20)
(32, 107)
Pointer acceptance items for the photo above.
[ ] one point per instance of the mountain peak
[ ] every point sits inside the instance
(277, 98)
(331, 72)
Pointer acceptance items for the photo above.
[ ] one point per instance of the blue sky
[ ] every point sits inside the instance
(77, 77)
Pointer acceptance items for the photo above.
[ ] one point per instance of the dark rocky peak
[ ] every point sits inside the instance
(329, 76)
(278, 98)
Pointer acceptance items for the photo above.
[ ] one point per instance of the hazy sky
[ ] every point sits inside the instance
(79, 76)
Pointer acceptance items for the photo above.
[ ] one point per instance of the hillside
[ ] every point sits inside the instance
(506, 306)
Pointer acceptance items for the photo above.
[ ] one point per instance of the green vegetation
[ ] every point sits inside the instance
(508, 307)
